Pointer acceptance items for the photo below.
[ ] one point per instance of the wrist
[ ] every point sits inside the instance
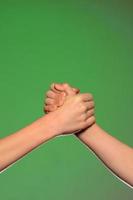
(43, 128)
(91, 130)
(92, 136)
(51, 125)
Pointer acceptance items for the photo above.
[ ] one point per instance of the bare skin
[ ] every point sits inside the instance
(71, 117)
(116, 156)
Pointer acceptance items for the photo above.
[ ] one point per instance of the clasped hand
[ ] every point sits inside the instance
(73, 111)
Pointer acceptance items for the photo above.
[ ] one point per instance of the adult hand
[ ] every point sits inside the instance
(59, 94)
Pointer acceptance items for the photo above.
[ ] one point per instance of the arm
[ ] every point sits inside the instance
(15, 146)
(117, 156)
(68, 118)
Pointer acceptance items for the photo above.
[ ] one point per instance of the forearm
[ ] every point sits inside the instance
(15, 146)
(117, 156)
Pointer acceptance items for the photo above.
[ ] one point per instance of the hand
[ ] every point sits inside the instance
(57, 95)
(75, 114)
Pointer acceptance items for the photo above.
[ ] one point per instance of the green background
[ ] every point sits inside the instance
(88, 44)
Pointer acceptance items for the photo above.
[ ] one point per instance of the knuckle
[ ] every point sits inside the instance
(46, 100)
(47, 93)
(45, 108)
(92, 120)
(83, 107)
(89, 113)
(92, 112)
(52, 85)
(90, 96)
(80, 97)
(76, 98)
(93, 103)
(80, 105)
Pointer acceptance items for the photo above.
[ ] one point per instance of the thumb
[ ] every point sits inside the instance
(65, 88)
(59, 87)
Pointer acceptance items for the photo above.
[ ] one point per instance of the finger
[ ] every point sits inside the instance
(90, 121)
(89, 105)
(65, 87)
(86, 96)
(51, 94)
(89, 113)
(61, 100)
(59, 87)
(57, 97)
(49, 101)
(58, 100)
(53, 88)
(68, 89)
(50, 108)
